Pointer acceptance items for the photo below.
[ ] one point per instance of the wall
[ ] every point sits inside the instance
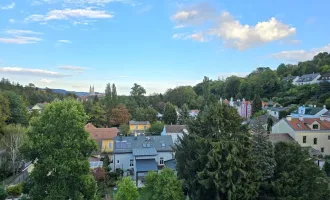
(140, 127)
(322, 140)
(283, 127)
(105, 146)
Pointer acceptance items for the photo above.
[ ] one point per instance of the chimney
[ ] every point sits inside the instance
(314, 106)
(301, 118)
(288, 118)
(322, 118)
(324, 107)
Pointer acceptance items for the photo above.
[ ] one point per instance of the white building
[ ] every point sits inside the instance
(175, 131)
(307, 79)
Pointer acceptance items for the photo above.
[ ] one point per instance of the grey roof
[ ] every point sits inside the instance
(310, 110)
(145, 165)
(263, 119)
(175, 128)
(307, 77)
(139, 122)
(325, 76)
(170, 164)
(279, 108)
(280, 137)
(144, 152)
(289, 78)
(127, 144)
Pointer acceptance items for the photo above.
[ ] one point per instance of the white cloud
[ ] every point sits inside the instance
(11, 21)
(82, 2)
(46, 81)
(229, 30)
(179, 26)
(71, 68)
(197, 37)
(144, 9)
(32, 72)
(7, 7)
(65, 41)
(20, 37)
(300, 55)
(69, 14)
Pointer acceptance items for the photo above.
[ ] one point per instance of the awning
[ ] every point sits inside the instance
(145, 165)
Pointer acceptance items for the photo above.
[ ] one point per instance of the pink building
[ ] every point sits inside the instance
(244, 108)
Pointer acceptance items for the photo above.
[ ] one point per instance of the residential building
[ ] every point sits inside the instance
(263, 120)
(324, 77)
(275, 111)
(293, 79)
(280, 137)
(309, 112)
(308, 132)
(137, 155)
(308, 79)
(138, 126)
(103, 136)
(175, 131)
(39, 107)
(244, 108)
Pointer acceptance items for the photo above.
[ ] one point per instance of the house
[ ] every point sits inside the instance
(308, 132)
(324, 77)
(193, 113)
(275, 111)
(309, 112)
(308, 79)
(39, 107)
(244, 108)
(138, 126)
(263, 120)
(171, 164)
(175, 131)
(137, 155)
(103, 136)
(291, 79)
(279, 137)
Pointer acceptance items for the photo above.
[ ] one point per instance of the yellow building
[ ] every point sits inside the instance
(138, 126)
(103, 137)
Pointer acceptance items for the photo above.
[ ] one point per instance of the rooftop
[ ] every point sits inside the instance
(175, 128)
(139, 122)
(101, 133)
(325, 76)
(302, 125)
(309, 110)
(280, 137)
(308, 77)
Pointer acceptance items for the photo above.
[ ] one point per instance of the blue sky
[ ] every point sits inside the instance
(159, 44)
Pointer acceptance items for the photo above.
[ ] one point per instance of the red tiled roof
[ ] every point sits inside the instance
(226, 101)
(298, 125)
(101, 133)
(195, 111)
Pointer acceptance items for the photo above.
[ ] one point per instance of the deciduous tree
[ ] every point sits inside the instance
(256, 104)
(170, 116)
(127, 190)
(119, 115)
(156, 128)
(18, 111)
(124, 129)
(184, 114)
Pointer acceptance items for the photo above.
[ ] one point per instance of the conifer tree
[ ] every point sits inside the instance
(184, 114)
(170, 116)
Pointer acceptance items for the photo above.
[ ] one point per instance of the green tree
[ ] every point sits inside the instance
(146, 114)
(163, 185)
(326, 168)
(60, 146)
(114, 95)
(282, 114)
(215, 160)
(127, 190)
(156, 128)
(206, 89)
(184, 114)
(138, 92)
(4, 110)
(270, 124)
(232, 86)
(106, 163)
(124, 129)
(181, 95)
(170, 116)
(256, 104)
(327, 103)
(98, 115)
(18, 111)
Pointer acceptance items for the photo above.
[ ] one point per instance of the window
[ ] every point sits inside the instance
(131, 163)
(145, 127)
(328, 137)
(161, 161)
(322, 149)
(118, 161)
(110, 145)
(136, 127)
(315, 126)
(315, 140)
(304, 139)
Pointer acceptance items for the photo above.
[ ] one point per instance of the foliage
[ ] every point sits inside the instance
(18, 111)
(14, 190)
(13, 138)
(156, 128)
(4, 109)
(206, 89)
(3, 193)
(163, 185)
(106, 163)
(256, 104)
(326, 168)
(127, 190)
(138, 92)
(215, 160)
(97, 115)
(60, 144)
(327, 103)
(26, 186)
(282, 114)
(180, 95)
(170, 116)
(184, 114)
(124, 129)
(270, 124)
(119, 115)
(145, 114)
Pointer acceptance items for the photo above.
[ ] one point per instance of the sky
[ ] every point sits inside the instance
(159, 44)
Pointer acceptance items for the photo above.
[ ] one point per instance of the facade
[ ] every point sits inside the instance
(324, 77)
(307, 79)
(275, 111)
(244, 108)
(175, 131)
(309, 112)
(103, 136)
(137, 155)
(138, 126)
(308, 132)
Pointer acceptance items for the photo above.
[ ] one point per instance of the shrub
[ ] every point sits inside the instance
(3, 193)
(26, 186)
(15, 190)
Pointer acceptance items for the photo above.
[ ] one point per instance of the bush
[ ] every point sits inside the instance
(15, 190)
(24, 198)
(3, 193)
(26, 186)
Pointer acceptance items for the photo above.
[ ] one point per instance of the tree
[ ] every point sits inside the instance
(4, 110)
(282, 114)
(138, 92)
(327, 103)
(163, 185)
(170, 116)
(181, 95)
(106, 163)
(13, 139)
(127, 190)
(215, 160)
(108, 102)
(256, 104)
(232, 86)
(97, 115)
(184, 114)
(145, 114)
(114, 95)
(59, 145)
(156, 128)
(270, 124)
(124, 129)
(18, 111)
(326, 167)
(296, 176)
(119, 115)
(206, 89)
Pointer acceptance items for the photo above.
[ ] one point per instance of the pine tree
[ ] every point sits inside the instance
(256, 104)
(184, 114)
(206, 90)
(108, 102)
(215, 160)
(170, 116)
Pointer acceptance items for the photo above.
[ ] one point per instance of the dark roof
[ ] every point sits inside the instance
(307, 77)
(175, 128)
(253, 123)
(289, 78)
(278, 109)
(145, 165)
(170, 164)
(325, 76)
(139, 122)
(127, 144)
(309, 110)
(280, 137)
(144, 152)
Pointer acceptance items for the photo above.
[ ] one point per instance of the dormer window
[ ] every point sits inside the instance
(315, 126)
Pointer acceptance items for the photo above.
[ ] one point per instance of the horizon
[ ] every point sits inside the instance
(72, 44)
